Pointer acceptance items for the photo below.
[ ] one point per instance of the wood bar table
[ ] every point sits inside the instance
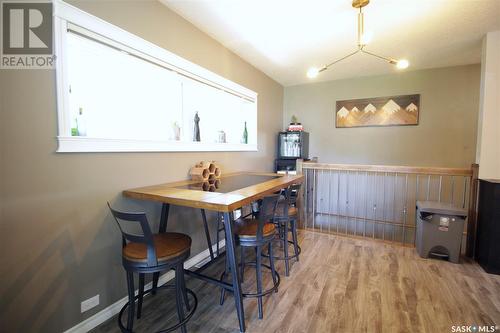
(231, 192)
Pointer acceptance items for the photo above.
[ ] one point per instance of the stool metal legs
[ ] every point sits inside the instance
(131, 300)
(184, 290)
(285, 249)
(286, 226)
(141, 295)
(181, 298)
(179, 295)
(294, 237)
(258, 272)
(242, 263)
(271, 263)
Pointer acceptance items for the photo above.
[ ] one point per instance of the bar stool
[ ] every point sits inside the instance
(286, 220)
(220, 225)
(257, 233)
(153, 253)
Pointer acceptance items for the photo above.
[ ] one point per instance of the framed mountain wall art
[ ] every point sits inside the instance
(400, 110)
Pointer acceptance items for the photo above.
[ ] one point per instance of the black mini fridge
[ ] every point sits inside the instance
(293, 145)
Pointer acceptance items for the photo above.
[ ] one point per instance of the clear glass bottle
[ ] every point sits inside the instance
(81, 124)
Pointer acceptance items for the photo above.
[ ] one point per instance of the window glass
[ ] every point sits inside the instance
(117, 95)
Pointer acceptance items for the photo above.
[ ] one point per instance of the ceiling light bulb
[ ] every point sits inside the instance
(312, 72)
(402, 64)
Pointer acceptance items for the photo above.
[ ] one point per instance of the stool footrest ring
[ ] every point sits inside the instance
(171, 328)
(265, 292)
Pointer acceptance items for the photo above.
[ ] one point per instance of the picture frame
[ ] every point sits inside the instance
(401, 110)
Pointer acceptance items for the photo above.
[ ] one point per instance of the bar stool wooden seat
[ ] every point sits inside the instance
(286, 219)
(257, 233)
(168, 246)
(153, 253)
(247, 229)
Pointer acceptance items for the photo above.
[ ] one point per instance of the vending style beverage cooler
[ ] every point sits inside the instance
(293, 145)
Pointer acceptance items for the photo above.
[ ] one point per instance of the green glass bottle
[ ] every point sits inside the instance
(245, 134)
(74, 127)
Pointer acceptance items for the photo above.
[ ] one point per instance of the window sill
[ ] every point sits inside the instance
(88, 145)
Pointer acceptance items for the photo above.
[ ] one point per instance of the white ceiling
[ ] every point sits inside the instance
(284, 38)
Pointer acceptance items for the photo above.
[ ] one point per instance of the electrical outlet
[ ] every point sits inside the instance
(90, 303)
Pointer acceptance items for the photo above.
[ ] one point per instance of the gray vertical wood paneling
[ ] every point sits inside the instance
(374, 204)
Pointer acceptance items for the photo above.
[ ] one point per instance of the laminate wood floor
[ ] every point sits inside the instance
(344, 284)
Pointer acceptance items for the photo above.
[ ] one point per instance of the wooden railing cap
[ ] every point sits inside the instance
(390, 169)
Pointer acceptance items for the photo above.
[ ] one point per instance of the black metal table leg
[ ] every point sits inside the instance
(231, 256)
(207, 233)
(165, 208)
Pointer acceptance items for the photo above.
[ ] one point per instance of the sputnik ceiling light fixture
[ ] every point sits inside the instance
(362, 41)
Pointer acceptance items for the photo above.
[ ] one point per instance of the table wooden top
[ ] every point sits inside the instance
(223, 202)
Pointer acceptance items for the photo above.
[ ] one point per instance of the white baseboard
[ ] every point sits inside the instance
(197, 261)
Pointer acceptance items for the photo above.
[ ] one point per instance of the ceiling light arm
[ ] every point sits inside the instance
(361, 31)
(389, 60)
(400, 64)
(361, 28)
(324, 68)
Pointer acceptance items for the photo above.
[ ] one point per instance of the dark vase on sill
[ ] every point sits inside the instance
(196, 130)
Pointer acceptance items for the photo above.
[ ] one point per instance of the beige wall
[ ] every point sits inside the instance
(59, 245)
(488, 139)
(445, 136)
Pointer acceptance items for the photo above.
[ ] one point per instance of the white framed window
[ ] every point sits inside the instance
(118, 92)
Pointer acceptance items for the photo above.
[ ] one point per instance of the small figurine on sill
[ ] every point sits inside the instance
(176, 129)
